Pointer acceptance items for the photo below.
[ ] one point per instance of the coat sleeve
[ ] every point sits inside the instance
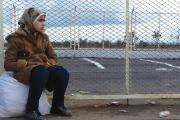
(11, 63)
(50, 52)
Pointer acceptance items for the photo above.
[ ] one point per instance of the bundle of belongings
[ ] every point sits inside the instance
(13, 97)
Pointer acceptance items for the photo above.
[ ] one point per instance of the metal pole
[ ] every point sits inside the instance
(159, 29)
(103, 30)
(134, 32)
(1, 38)
(131, 31)
(127, 49)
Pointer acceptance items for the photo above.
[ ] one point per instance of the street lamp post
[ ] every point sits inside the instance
(131, 31)
(177, 38)
(158, 38)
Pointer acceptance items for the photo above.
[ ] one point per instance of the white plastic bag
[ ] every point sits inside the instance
(13, 97)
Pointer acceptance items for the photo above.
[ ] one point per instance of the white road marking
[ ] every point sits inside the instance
(95, 63)
(163, 69)
(163, 63)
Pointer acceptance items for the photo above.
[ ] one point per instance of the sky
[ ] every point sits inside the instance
(100, 19)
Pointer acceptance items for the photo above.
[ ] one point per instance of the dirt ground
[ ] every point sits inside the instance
(105, 110)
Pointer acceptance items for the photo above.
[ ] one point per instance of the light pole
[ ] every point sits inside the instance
(158, 38)
(74, 30)
(177, 38)
(103, 30)
(131, 31)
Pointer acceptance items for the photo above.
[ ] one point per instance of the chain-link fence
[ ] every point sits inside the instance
(155, 24)
(132, 46)
(75, 24)
(155, 33)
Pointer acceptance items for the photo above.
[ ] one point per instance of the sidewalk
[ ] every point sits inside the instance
(105, 110)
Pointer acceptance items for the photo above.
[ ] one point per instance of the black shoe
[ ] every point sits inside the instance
(34, 115)
(61, 110)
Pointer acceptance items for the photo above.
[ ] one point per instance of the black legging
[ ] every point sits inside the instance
(53, 78)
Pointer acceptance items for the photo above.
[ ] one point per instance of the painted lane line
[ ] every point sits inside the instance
(95, 63)
(163, 63)
(163, 69)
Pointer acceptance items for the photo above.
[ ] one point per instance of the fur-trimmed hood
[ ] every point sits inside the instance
(27, 20)
(26, 24)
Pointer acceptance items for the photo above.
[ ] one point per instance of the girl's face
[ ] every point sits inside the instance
(39, 24)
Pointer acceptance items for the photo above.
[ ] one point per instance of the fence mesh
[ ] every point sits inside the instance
(156, 24)
(90, 38)
(155, 34)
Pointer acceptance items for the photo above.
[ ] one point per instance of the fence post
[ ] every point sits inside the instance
(1, 38)
(127, 48)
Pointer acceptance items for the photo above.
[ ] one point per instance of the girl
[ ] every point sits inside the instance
(32, 58)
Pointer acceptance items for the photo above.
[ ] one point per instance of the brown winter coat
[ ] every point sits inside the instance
(25, 51)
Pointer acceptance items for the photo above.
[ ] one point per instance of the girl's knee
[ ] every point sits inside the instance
(39, 75)
(40, 69)
(65, 71)
(59, 70)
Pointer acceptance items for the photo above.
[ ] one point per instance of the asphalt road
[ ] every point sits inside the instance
(146, 75)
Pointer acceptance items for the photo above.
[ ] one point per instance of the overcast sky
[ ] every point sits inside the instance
(110, 13)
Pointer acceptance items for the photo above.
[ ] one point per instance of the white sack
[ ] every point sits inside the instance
(13, 97)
